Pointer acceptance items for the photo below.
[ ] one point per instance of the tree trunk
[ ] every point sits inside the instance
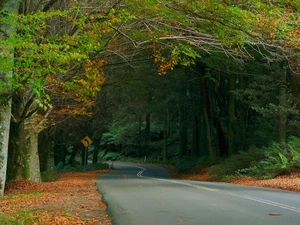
(166, 128)
(15, 156)
(182, 132)
(31, 163)
(282, 120)
(44, 150)
(23, 152)
(9, 6)
(211, 150)
(76, 148)
(203, 96)
(4, 136)
(147, 132)
(231, 115)
(96, 139)
(294, 65)
(165, 145)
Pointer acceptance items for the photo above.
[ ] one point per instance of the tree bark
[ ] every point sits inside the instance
(9, 6)
(31, 169)
(148, 132)
(96, 139)
(166, 127)
(4, 136)
(182, 132)
(282, 120)
(231, 115)
(294, 65)
(15, 156)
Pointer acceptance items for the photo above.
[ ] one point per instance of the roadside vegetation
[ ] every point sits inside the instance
(262, 163)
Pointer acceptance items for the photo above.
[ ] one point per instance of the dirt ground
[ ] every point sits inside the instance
(73, 199)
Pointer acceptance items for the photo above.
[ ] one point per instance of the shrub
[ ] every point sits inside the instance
(242, 160)
(184, 165)
(265, 162)
(280, 158)
(111, 156)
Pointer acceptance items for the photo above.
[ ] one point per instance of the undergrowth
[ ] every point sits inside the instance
(263, 163)
(187, 164)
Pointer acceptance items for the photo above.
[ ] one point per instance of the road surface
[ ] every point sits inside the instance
(145, 195)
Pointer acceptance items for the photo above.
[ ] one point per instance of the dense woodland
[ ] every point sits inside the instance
(171, 81)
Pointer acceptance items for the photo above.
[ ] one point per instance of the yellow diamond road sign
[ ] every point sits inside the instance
(86, 141)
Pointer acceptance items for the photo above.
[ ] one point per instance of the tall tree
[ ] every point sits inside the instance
(7, 8)
(58, 54)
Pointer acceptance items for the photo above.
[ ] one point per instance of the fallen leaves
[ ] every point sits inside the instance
(289, 182)
(71, 200)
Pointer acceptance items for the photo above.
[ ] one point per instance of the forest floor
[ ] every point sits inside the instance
(73, 199)
(288, 182)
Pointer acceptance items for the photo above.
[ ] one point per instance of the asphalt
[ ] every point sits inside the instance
(145, 195)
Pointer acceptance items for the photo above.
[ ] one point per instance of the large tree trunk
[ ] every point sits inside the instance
(4, 135)
(15, 156)
(9, 6)
(44, 150)
(23, 152)
(23, 146)
(31, 162)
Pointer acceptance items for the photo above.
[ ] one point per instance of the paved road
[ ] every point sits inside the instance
(145, 195)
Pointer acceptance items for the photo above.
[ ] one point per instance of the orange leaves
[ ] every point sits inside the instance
(71, 200)
(77, 90)
(94, 75)
(163, 68)
(164, 63)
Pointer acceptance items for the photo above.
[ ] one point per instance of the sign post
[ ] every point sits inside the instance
(86, 141)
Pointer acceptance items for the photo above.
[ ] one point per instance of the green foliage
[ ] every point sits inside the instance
(101, 154)
(280, 158)
(265, 162)
(184, 165)
(121, 134)
(239, 161)
(111, 156)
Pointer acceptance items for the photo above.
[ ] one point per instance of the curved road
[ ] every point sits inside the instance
(145, 195)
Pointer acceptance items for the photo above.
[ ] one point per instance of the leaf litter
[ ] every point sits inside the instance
(73, 199)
